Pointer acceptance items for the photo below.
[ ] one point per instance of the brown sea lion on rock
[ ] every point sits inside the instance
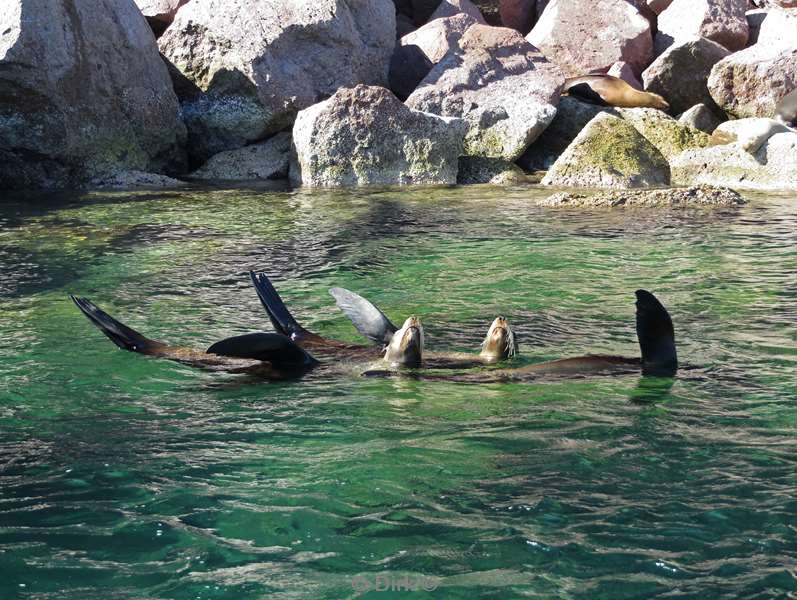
(606, 90)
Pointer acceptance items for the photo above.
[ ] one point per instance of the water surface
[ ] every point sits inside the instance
(124, 477)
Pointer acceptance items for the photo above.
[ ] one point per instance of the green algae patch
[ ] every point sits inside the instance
(668, 135)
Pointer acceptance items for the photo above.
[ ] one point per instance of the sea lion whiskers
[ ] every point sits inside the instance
(500, 342)
(406, 347)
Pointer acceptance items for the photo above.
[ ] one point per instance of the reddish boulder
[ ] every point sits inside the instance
(721, 21)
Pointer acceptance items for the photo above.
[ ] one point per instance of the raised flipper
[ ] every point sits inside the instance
(281, 318)
(119, 333)
(367, 318)
(277, 349)
(656, 335)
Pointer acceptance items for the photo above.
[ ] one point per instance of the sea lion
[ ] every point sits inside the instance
(655, 334)
(375, 326)
(499, 344)
(267, 355)
(786, 109)
(606, 90)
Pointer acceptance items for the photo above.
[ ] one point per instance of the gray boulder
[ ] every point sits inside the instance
(721, 21)
(751, 82)
(500, 84)
(680, 74)
(700, 117)
(84, 92)
(582, 41)
(772, 167)
(609, 153)
(255, 78)
(365, 135)
(266, 160)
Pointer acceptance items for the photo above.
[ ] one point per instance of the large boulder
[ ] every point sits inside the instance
(680, 74)
(159, 13)
(500, 84)
(83, 92)
(750, 83)
(772, 167)
(721, 21)
(581, 41)
(266, 160)
(700, 117)
(609, 153)
(256, 78)
(417, 52)
(365, 135)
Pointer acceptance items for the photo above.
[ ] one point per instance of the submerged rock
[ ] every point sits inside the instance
(500, 84)
(365, 135)
(133, 179)
(609, 152)
(496, 171)
(696, 196)
(582, 40)
(266, 160)
(255, 78)
(83, 92)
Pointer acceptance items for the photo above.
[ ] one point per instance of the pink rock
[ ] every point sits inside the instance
(721, 21)
(658, 6)
(582, 41)
(750, 83)
(680, 73)
(450, 8)
(159, 13)
(520, 15)
(417, 52)
(624, 71)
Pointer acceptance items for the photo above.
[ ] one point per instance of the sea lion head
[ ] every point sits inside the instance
(406, 345)
(500, 342)
(656, 101)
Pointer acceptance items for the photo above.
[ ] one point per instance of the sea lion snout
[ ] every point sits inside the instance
(406, 347)
(499, 343)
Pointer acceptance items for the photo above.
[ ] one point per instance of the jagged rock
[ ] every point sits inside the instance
(159, 13)
(749, 134)
(668, 135)
(700, 117)
(419, 51)
(721, 21)
(772, 167)
(680, 74)
(500, 84)
(365, 135)
(496, 171)
(751, 82)
(571, 118)
(83, 92)
(122, 179)
(696, 196)
(266, 160)
(451, 8)
(255, 79)
(582, 41)
(611, 153)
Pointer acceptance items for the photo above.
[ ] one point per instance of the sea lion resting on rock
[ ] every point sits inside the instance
(606, 90)
(499, 344)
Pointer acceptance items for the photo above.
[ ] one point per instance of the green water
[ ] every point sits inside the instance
(126, 477)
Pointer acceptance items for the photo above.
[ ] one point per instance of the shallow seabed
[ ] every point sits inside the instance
(126, 477)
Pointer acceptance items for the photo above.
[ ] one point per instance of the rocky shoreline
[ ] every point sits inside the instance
(331, 93)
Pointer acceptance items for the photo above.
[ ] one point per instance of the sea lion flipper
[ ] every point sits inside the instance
(119, 333)
(270, 347)
(656, 335)
(281, 318)
(367, 318)
(583, 91)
